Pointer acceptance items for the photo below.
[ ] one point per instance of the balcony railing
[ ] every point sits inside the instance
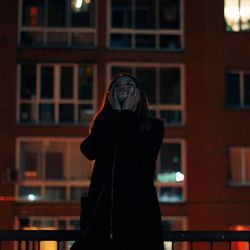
(33, 239)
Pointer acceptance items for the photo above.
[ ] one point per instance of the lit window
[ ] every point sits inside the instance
(57, 23)
(163, 86)
(239, 165)
(48, 223)
(237, 15)
(240, 245)
(56, 94)
(238, 89)
(170, 172)
(142, 24)
(47, 165)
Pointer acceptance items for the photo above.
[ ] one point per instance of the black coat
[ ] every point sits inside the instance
(122, 197)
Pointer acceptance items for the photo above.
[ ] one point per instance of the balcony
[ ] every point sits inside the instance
(173, 240)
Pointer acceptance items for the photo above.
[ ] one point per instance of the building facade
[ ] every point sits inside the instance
(191, 57)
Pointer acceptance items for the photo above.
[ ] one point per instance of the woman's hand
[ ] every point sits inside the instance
(132, 99)
(113, 100)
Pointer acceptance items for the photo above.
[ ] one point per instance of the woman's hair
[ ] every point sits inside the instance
(141, 112)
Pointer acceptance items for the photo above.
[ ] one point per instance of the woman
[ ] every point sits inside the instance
(122, 209)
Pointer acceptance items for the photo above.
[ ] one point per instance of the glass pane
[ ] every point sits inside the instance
(233, 89)
(171, 42)
(28, 82)
(171, 194)
(76, 193)
(172, 225)
(80, 166)
(55, 159)
(30, 193)
(232, 15)
(28, 113)
(46, 113)
(57, 38)
(54, 166)
(75, 224)
(144, 14)
(62, 225)
(245, 15)
(170, 163)
(33, 13)
(82, 13)
(47, 82)
(247, 166)
(32, 38)
(235, 157)
(82, 39)
(171, 117)
(170, 85)
(119, 70)
(55, 193)
(85, 82)
(120, 40)
(247, 90)
(147, 78)
(169, 14)
(121, 13)
(56, 13)
(66, 113)
(31, 160)
(145, 41)
(85, 114)
(66, 83)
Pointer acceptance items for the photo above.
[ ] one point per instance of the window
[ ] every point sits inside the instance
(174, 224)
(48, 223)
(240, 245)
(59, 23)
(142, 24)
(164, 87)
(239, 165)
(170, 172)
(238, 89)
(237, 15)
(56, 94)
(52, 169)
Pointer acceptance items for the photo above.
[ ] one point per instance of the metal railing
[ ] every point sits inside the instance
(32, 239)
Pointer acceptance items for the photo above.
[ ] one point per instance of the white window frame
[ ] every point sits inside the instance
(157, 32)
(67, 30)
(158, 107)
(56, 101)
(243, 181)
(182, 184)
(67, 183)
(241, 74)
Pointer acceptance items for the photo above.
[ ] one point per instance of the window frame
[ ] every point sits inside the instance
(68, 30)
(155, 32)
(56, 100)
(243, 182)
(183, 184)
(241, 74)
(66, 183)
(158, 107)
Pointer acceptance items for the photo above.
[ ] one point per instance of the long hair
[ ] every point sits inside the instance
(141, 112)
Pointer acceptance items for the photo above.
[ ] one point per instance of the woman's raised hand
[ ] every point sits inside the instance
(113, 100)
(132, 99)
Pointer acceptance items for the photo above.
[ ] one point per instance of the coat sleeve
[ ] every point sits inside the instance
(101, 138)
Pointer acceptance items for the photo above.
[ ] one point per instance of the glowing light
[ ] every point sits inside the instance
(78, 4)
(31, 197)
(179, 177)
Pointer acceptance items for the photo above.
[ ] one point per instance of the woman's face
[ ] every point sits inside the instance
(122, 86)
